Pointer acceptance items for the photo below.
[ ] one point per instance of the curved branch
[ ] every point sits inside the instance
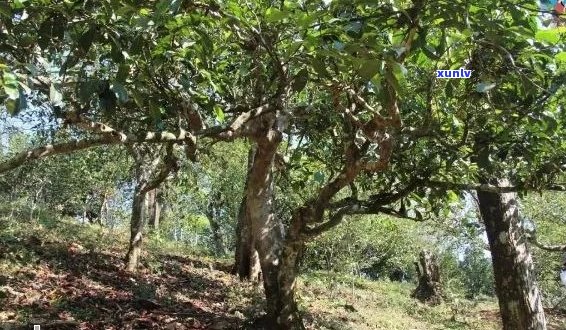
(552, 248)
(170, 164)
(52, 149)
(236, 128)
(334, 220)
(106, 139)
(355, 208)
(111, 136)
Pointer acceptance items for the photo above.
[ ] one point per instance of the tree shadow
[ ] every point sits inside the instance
(91, 289)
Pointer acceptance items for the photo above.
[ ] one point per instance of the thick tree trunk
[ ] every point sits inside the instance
(429, 289)
(278, 262)
(288, 313)
(518, 294)
(245, 250)
(246, 264)
(517, 291)
(136, 230)
(265, 227)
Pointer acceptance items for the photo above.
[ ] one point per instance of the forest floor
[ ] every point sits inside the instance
(64, 275)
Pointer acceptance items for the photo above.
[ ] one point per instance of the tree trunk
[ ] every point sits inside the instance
(153, 208)
(103, 206)
(518, 294)
(278, 262)
(136, 229)
(157, 208)
(288, 313)
(247, 264)
(217, 236)
(214, 211)
(429, 289)
(246, 257)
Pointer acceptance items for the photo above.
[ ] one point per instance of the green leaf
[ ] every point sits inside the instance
(10, 83)
(550, 36)
(484, 87)
(138, 98)
(452, 196)
(399, 70)
(369, 69)
(12, 106)
(218, 113)
(19, 4)
(165, 6)
(300, 80)
(430, 52)
(86, 39)
(5, 10)
(123, 72)
(87, 89)
(274, 15)
(449, 90)
(560, 57)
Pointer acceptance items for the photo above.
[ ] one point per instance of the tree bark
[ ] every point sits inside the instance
(102, 213)
(265, 227)
(136, 228)
(293, 247)
(278, 261)
(153, 208)
(429, 289)
(519, 298)
(244, 244)
(517, 291)
(148, 177)
(246, 264)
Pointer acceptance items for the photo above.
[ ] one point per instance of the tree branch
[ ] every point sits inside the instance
(334, 220)
(235, 129)
(80, 121)
(52, 149)
(553, 248)
(106, 139)
(491, 188)
(170, 164)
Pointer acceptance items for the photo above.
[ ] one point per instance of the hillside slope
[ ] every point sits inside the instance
(65, 275)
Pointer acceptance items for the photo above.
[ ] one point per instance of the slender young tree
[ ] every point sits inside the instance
(149, 174)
